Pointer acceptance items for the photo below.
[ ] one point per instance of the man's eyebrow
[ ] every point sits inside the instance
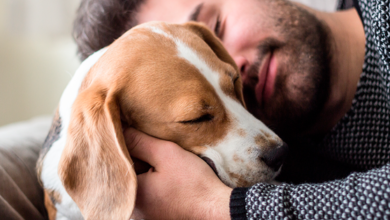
(194, 15)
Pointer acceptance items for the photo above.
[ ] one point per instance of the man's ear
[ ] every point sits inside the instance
(95, 166)
(216, 45)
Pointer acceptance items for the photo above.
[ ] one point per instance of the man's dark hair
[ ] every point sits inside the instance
(99, 22)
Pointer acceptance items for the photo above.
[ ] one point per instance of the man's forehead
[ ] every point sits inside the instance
(174, 11)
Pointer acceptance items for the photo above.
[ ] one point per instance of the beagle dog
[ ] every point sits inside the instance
(172, 81)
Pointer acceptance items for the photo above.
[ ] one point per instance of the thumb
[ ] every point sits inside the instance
(145, 147)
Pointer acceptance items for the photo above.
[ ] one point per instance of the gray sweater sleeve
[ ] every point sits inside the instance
(359, 196)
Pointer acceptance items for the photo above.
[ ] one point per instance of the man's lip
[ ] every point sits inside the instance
(267, 73)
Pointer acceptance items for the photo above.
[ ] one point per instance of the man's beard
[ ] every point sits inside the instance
(302, 82)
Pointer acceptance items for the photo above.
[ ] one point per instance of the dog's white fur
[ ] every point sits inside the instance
(49, 176)
(237, 152)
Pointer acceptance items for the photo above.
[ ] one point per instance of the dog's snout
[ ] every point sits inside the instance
(275, 157)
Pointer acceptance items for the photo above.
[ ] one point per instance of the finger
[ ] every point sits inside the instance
(144, 200)
(142, 179)
(144, 147)
(138, 144)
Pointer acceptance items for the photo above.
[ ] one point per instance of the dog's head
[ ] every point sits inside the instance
(173, 82)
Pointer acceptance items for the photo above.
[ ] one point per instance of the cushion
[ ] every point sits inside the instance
(21, 196)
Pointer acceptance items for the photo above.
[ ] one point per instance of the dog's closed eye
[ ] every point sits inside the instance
(201, 119)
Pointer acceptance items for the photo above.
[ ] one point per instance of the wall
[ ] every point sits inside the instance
(38, 56)
(323, 5)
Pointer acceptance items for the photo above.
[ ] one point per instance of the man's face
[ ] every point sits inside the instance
(281, 50)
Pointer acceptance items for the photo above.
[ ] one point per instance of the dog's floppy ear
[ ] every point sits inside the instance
(95, 166)
(216, 45)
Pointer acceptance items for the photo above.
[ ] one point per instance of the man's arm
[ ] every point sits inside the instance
(183, 186)
(359, 196)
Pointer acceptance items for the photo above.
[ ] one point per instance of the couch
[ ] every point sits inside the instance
(21, 196)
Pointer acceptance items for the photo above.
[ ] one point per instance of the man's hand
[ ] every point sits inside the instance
(179, 186)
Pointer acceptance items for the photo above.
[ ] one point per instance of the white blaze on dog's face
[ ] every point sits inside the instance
(190, 93)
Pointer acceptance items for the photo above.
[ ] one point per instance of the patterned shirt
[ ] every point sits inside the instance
(354, 158)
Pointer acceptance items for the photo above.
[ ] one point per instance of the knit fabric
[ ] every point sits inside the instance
(362, 137)
(361, 140)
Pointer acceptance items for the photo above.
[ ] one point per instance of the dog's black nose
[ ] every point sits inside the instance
(275, 157)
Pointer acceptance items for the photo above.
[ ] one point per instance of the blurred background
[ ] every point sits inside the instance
(38, 55)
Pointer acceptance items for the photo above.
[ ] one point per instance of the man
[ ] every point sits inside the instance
(320, 80)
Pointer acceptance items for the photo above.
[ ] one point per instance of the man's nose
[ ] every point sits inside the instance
(274, 158)
(242, 64)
